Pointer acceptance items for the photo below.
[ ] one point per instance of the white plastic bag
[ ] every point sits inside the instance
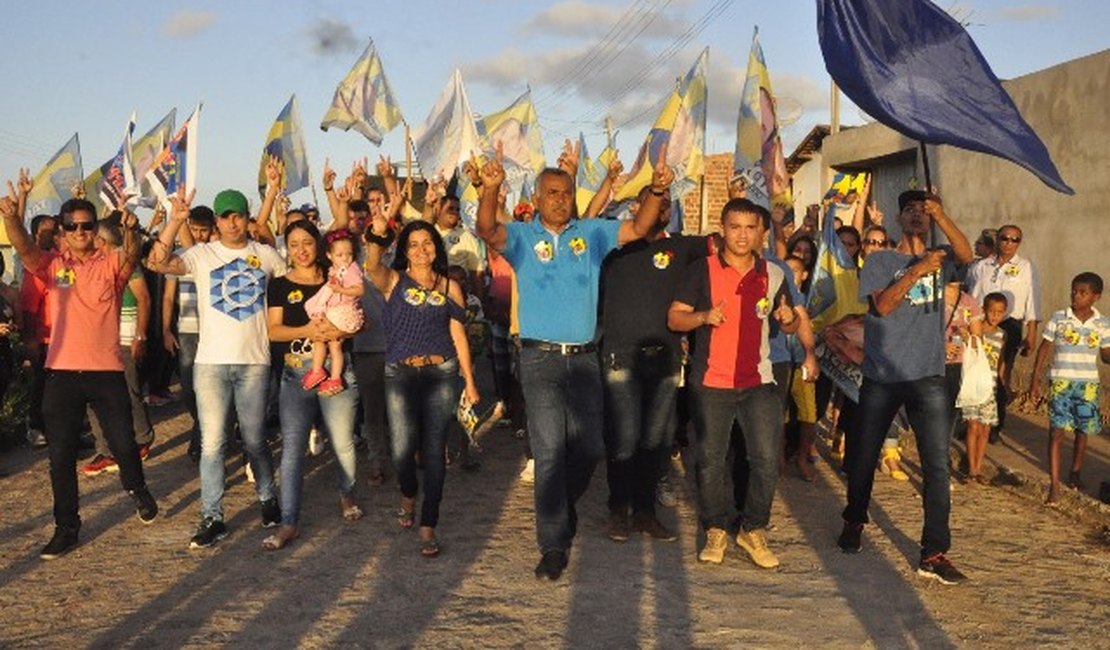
(977, 382)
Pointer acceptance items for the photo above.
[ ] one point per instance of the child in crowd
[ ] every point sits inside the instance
(339, 302)
(981, 418)
(1076, 338)
(802, 391)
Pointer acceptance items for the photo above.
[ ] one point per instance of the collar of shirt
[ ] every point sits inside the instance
(1095, 315)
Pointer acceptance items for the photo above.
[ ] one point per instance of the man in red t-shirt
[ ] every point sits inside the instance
(36, 326)
(83, 363)
(731, 302)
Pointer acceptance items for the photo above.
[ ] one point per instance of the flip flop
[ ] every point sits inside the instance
(405, 518)
(351, 512)
(280, 539)
(429, 547)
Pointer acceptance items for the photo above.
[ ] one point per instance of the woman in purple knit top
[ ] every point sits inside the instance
(426, 350)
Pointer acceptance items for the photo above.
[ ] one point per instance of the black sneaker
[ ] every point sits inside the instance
(145, 506)
(271, 513)
(850, 538)
(649, 524)
(63, 541)
(939, 568)
(551, 565)
(210, 532)
(619, 528)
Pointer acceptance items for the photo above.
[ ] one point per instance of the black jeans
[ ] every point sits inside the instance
(640, 390)
(66, 396)
(34, 391)
(926, 402)
(370, 374)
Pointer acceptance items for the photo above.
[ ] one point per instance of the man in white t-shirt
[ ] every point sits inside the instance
(232, 365)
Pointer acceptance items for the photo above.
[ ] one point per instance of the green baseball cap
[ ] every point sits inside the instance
(230, 201)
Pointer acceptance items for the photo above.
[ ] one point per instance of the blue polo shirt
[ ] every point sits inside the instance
(558, 277)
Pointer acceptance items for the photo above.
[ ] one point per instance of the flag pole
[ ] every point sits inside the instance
(928, 188)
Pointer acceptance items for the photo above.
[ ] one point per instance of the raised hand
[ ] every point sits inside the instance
(470, 168)
(26, 183)
(158, 217)
(493, 172)
(615, 168)
(662, 175)
(9, 205)
(930, 263)
(275, 173)
(874, 214)
(385, 167)
(181, 202)
(78, 190)
(568, 159)
(329, 176)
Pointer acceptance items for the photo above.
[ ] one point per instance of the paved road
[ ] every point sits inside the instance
(1038, 576)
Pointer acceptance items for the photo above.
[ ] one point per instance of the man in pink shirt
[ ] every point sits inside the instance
(83, 362)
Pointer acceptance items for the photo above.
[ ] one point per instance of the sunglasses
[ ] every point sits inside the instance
(1012, 240)
(85, 226)
(874, 242)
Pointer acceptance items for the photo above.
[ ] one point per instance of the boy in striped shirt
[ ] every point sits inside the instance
(1076, 338)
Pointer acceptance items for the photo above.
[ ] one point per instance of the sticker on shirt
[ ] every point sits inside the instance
(1012, 270)
(65, 277)
(415, 296)
(254, 262)
(436, 299)
(295, 296)
(578, 246)
(1070, 335)
(543, 251)
(923, 291)
(763, 308)
(1093, 339)
(238, 288)
(662, 259)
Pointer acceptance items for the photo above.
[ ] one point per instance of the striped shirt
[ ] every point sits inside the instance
(129, 312)
(1077, 344)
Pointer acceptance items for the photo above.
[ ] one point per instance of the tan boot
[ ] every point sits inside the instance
(716, 541)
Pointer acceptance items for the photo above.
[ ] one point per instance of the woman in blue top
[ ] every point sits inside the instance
(425, 351)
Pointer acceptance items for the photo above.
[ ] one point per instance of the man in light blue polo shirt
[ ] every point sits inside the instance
(557, 259)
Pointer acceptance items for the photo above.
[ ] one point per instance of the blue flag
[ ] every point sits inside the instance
(914, 68)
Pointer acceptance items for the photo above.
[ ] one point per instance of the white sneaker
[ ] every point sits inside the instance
(316, 442)
(528, 474)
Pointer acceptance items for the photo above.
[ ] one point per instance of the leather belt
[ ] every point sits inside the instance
(421, 360)
(565, 349)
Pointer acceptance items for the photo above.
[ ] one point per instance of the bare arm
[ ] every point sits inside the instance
(382, 277)
(682, 317)
(275, 175)
(648, 214)
(280, 332)
(161, 259)
(494, 233)
(462, 345)
(129, 251)
(887, 300)
(1044, 351)
(605, 192)
(21, 241)
(961, 249)
(142, 319)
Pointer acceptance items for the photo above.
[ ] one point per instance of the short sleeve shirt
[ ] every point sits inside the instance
(558, 276)
(84, 304)
(1016, 279)
(231, 300)
(736, 353)
(1076, 344)
(908, 343)
(638, 285)
(959, 318)
(464, 248)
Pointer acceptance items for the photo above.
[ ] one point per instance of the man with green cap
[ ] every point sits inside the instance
(232, 366)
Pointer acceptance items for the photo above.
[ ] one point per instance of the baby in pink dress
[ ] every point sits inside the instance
(339, 302)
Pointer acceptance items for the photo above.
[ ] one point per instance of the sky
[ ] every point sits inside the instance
(84, 67)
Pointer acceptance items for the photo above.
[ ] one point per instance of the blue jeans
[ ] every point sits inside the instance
(640, 390)
(563, 398)
(298, 409)
(217, 388)
(420, 403)
(758, 411)
(926, 402)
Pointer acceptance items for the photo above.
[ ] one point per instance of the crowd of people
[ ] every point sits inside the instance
(609, 339)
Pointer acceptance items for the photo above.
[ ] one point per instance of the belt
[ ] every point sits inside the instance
(565, 349)
(421, 360)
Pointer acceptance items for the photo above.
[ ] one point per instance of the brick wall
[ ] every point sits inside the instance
(718, 169)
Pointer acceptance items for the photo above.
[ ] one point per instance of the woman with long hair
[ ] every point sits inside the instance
(295, 335)
(426, 350)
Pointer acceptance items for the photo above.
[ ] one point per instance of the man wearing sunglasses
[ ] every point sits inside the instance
(83, 362)
(1015, 277)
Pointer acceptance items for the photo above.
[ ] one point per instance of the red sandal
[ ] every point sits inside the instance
(314, 378)
(330, 386)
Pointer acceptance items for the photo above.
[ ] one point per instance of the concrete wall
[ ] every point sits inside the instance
(1067, 105)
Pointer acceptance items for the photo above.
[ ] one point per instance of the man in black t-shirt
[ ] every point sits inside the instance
(640, 361)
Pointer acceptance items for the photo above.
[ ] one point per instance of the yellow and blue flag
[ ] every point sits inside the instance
(834, 292)
(592, 172)
(55, 181)
(286, 141)
(759, 160)
(449, 134)
(143, 152)
(363, 100)
(517, 128)
(681, 126)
